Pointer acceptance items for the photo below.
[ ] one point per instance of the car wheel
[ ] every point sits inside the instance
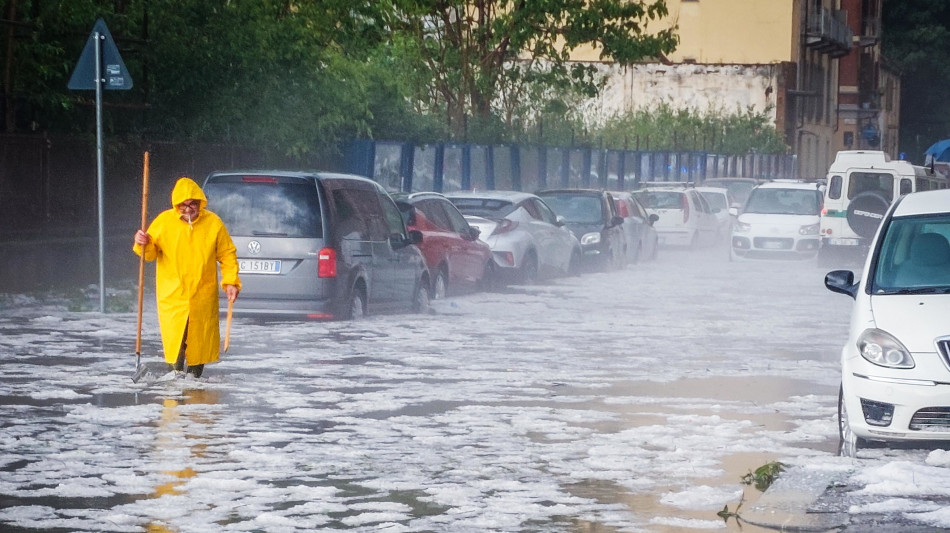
(420, 300)
(848, 442)
(356, 305)
(439, 285)
(574, 267)
(490, 277)
(529, 269)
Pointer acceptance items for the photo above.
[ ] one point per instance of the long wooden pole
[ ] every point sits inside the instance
(138, 334)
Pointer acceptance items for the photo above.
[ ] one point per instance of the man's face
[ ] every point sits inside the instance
(189, 209)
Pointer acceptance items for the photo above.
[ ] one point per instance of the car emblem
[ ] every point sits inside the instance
(254, 247)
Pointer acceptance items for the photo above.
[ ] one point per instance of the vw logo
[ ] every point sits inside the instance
(254, 247)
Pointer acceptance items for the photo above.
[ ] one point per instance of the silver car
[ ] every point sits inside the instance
(525, 236)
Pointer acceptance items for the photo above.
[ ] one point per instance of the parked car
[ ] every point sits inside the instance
(642, 239)
(778, 221)
(318, 244)
(683, 215)
(719, 201)
(739, 188)
(896, 361)
(457, 259)
(526, 239)
(592, 216)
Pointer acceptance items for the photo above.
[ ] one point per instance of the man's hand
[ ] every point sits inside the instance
(232, 292)
(142, 238)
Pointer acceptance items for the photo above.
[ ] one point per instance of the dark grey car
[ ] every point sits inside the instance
(592, 216)
(317, 244)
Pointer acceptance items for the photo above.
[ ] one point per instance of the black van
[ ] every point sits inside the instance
(317, 244)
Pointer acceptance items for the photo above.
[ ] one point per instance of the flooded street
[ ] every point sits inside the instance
(634, 400)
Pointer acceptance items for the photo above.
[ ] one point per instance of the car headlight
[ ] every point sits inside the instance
(811, 229)
(590, 238)
(741, 227)
(883, 349)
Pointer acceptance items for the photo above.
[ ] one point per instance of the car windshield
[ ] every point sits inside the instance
(661, 199)
(260, 206)
(739, 190)
(484, 207)
(783, 202)
(575, 208)
(914, 256)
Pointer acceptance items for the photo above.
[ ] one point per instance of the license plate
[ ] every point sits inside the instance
(773, 245)
(259, 266)
(843, 242)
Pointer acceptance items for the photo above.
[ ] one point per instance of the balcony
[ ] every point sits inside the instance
(828, 33)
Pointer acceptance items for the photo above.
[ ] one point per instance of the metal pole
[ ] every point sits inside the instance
(99, 179)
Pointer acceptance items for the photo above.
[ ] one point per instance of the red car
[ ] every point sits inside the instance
(457, 259)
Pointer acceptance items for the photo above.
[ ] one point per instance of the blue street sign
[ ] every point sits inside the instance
(114, 75)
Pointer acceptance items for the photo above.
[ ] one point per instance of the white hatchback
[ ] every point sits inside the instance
(895, 366)
(684, 217)
(778, 221)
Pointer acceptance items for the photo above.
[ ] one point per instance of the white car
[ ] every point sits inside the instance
(719, 201)
(642, 239)
(778, 221)
(683, 215)
(895, 366)
(526, 238)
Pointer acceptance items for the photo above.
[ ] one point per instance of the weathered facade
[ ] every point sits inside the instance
(814, 66)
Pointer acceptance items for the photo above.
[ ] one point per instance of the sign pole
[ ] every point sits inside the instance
(99, 175)
(101, 64)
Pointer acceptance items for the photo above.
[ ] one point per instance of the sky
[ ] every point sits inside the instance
(623, 401)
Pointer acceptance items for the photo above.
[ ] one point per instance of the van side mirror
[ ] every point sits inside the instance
(398, 240)
(616, 220)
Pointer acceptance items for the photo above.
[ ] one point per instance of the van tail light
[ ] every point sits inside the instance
(685, 204)
(326, 263)
(504, 226)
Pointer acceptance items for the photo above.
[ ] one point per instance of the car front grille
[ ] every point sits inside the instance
(773, 243)
(931, 419)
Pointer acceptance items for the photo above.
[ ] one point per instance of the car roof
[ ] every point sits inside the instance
(511, 196)
(788, 185)
(923, 203)
(590, 192)
(719, 190)
(728, 179)
(416, 196)
(308, 174)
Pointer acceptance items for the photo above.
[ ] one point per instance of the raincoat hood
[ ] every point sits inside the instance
(186, 189)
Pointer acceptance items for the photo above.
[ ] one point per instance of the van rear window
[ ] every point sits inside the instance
(260, 208)
(878, 182)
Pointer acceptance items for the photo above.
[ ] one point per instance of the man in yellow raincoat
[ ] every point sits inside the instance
(187, 242)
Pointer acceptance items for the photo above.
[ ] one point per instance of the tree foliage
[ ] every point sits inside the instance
(300, 78)
(480, 58)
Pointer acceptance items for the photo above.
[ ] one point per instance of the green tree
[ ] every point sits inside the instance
(481, 60)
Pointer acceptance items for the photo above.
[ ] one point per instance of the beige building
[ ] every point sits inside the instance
(813, 65)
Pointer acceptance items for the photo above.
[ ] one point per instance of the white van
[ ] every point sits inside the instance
(861, 186)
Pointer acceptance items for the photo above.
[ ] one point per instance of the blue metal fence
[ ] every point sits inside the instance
(444, 167)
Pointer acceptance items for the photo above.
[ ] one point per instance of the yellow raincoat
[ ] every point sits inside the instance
(186, 275)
